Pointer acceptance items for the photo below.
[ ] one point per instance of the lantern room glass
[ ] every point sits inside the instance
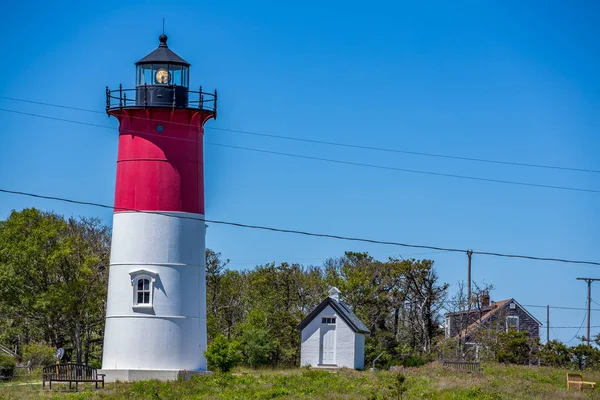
(148, 74)
(144, 75)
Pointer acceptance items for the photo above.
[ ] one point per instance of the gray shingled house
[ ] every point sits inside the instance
(501, 316)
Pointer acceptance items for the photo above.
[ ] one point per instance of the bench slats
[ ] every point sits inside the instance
(576, 381)
(71, 373)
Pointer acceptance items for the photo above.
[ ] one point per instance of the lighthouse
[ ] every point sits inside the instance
(156, 304)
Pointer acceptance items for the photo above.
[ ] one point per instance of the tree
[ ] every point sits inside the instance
(585, 356)
(223, 354)
(399, 300)
(428, 299)
(257, 342)
(53, 279)
(556, 354)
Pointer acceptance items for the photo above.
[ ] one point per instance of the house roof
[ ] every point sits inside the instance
(493, 310)
(342, 309)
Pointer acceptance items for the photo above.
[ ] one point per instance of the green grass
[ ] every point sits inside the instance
(428, 382)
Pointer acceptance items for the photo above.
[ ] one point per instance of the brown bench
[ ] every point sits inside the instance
(71, 373)
(5, 374)
(463, 366)
(577, 382)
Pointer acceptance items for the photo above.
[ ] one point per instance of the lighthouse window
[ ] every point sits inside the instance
(185, 76)
(143, 291)
(144, 75)
(175, 71)
(143, 288)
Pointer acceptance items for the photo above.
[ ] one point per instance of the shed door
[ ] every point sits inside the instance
(327, 345)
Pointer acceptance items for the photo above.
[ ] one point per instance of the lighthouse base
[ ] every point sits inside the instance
(131, 375)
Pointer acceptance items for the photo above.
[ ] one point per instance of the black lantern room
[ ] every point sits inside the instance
(162, 80)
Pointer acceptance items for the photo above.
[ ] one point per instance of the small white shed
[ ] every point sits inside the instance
(333, 336)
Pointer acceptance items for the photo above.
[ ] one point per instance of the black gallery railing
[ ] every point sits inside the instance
(161, 96)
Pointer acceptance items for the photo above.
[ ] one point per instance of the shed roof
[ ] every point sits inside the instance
(343, 311)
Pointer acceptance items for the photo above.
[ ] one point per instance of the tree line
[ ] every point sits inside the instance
(54, 277)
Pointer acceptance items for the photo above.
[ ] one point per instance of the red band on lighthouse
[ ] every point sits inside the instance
(160, 164)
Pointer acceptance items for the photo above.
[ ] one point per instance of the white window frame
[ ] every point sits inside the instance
(136, 276)
(513, 317)
(328, 319)
(448, 322)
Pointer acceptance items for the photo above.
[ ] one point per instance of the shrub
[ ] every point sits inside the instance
(556, 354)
(8, 364)
(585, 357)
(258, 346)
(39, 354)
(414, 360)
(399, 387)
(223, 354)
(506, 357)
(513, 347)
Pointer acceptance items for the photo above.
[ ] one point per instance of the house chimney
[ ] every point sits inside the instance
(485, 299)
(334, 293)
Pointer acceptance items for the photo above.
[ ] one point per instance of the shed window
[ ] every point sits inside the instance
(328, 320)
(512, 322)
(448, 327)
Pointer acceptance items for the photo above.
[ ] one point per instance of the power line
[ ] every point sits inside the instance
(572, 327)
(578, 330)
(339, 144)
(562, 308)
(317, 259)
(410, 170)
(555, 335)
(305, 233)
(342, 162)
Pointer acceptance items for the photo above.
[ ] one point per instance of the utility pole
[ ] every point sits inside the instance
(470, 255)
(589, 302)
(547, 323)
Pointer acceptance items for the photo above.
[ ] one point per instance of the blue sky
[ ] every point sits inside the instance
(498, 80)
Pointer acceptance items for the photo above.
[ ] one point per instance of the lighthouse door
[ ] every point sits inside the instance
(327, 344)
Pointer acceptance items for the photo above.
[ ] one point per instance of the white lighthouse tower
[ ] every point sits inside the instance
(156, 306)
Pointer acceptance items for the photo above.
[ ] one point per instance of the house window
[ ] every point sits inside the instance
(143, 288)
(448, 327)
(512, 322)
(328, 320)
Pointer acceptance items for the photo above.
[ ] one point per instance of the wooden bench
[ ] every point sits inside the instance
(71, 373)
(577, 382)
(463, 366)
(4, 374)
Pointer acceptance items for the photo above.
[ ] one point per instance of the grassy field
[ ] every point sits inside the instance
(428, 382)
